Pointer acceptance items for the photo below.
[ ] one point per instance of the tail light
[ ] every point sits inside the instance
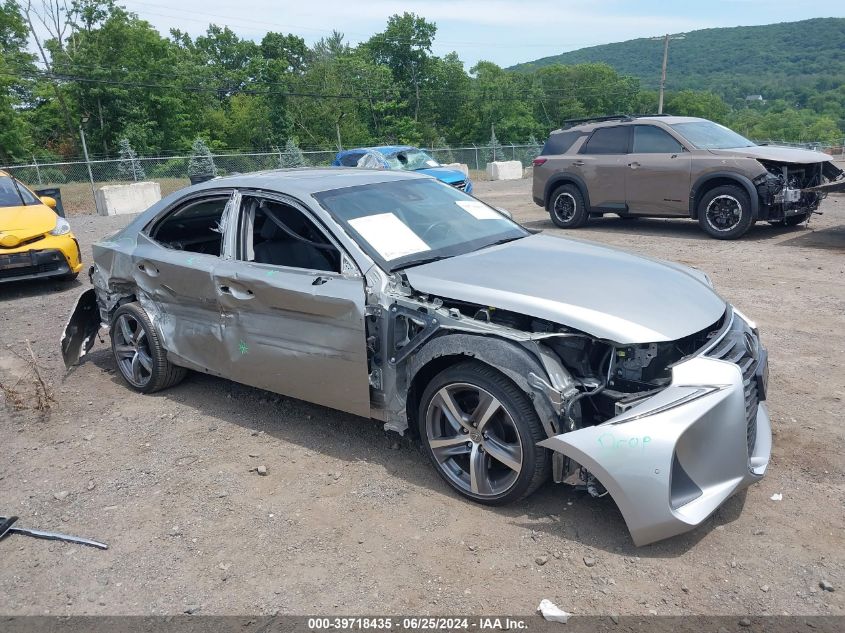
(538, 161)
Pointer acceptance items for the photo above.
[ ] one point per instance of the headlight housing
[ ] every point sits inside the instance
(62, 227)
(750, 323)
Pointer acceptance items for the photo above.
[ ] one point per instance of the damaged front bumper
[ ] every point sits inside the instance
(673, 459)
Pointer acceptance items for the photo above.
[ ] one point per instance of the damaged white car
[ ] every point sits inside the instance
(514, 357)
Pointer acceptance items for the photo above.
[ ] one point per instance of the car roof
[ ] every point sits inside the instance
(305, 181)
(381, 149)
(589, 126)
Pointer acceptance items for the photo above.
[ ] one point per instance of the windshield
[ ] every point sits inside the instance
(9, 196)
(407, 222)
(709, 135)
(411, 160)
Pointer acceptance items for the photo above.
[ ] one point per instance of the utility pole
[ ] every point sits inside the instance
(666, 39)
(88, 163)
(337, 128)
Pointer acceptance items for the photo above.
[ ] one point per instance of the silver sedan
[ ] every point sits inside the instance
(513, 357)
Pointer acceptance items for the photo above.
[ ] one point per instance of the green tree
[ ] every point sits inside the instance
(292, 156)
(129, 165)
(16, 71)
(706, 105)
(493, 151)
(202, 162)
(405, 48)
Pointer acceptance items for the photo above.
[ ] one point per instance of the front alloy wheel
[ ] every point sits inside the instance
(481, 434)
(725, 212)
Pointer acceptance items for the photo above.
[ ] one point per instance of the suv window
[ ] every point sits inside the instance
(650, 139)
(608, 140)
(560, 143)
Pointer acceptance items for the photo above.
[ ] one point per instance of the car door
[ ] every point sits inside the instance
(602, 162)
(657, 181)
(173, 264)
(293, 323)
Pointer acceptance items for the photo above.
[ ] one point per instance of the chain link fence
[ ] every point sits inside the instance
(172, 172)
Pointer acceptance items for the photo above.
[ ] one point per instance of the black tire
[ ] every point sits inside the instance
(514, 419)
(567, 208)
(792, 220)
(148, 370)
(724, 212)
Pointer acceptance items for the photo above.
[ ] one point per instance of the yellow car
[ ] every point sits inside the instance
(34, 241)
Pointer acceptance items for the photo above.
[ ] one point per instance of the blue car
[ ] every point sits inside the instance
(402, 157)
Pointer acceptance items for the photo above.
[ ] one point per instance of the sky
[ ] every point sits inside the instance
(504, 32)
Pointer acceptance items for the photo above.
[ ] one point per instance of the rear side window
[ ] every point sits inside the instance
(608, 140)
(649, 139)
(196, 227)
(560, 143)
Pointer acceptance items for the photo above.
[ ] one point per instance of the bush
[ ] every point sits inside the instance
(50, 175)
(171, 168)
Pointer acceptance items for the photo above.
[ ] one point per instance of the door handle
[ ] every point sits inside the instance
(237, 293)
(148, 269)
(319, 281)
(577, 163)
(634, 165)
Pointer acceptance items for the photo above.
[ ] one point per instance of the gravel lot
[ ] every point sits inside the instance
(349, 521)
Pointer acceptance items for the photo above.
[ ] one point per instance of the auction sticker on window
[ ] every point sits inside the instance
(478, 210)
(388, 235)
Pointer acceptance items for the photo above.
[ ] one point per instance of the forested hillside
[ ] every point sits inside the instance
(127, 85)
(791, 60)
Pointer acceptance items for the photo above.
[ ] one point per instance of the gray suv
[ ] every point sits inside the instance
(669, 166)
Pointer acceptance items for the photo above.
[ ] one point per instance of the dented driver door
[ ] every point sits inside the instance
(295, 331)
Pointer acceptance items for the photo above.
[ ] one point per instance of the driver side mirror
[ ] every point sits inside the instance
(50, 202)
(505, 213)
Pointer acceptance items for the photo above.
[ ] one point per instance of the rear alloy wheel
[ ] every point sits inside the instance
(481, 433)
(725, 212)
(139, 355)
(567, 207)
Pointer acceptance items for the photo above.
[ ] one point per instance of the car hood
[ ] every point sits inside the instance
(445, 174)
(604, 292)
(775, 153)
(18, 224)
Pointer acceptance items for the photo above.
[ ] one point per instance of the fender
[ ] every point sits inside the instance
(507, 357)
(563, 179)
(727, 175)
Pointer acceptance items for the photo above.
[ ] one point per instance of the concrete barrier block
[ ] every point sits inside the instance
(127, 199)
(504, 170)
(462, 167)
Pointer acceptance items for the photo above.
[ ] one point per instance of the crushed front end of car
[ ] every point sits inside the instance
(671, 456)
(795, 190)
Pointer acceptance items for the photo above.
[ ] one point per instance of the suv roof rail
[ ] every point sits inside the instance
(596, 119)
(568, 123)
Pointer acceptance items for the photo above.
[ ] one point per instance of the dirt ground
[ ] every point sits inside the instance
(347, 521)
